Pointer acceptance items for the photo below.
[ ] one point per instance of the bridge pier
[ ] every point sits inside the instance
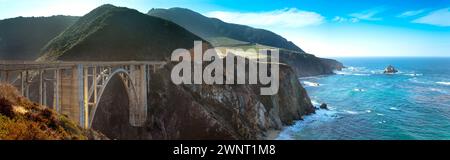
(138, 111)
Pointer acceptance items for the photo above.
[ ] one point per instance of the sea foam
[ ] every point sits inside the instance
(394, 109)
(444, 83)
(311, 84)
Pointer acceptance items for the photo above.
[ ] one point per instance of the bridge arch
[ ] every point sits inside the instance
(129, 87)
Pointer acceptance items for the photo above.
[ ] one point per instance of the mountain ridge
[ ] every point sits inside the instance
(22, 38)
(118, 33)
(207, 27)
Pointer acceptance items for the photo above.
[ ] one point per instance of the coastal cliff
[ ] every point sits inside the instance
(306, 65)
(206, 111)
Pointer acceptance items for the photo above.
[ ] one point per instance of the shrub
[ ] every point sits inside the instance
(38, 123)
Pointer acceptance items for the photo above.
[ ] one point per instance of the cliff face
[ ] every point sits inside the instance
(206, 111)
(334, 64)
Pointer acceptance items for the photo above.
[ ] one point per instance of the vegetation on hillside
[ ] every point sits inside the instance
(22, 38)
(110, 33)
(21, 119)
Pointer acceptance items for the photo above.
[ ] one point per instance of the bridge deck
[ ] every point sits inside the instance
(27, 65)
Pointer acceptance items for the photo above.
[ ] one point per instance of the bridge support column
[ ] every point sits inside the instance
(56, 91)
(41, 86)
(70, 91)
(83, 95)
(138, 110)
(22, 83)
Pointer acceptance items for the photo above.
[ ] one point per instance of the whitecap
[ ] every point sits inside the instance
(377, 71)
(350, 112)
(311, 84)
(414, 74)
(359, 90)
(342, 73)
(360, 74)
(315, 103)
(416, 80)
(437, 90)
(394, 109)
(444, 83)
(380, 114)
(381, 122)
(369, 111)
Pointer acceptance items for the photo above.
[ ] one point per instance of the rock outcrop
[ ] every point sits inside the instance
(332, 64)
(208, 111)
(390, 70)
(324, 106)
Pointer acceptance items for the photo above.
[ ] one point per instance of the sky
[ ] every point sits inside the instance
(326, 28)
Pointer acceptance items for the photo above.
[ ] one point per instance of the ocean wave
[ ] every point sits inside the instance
(319, 117)
(438, 90)
(311, 84)
(359, 90)
(394, 109)
(368, 111)
(357, 71)
(444, 83)
(351, 73)
(381, 122)
(380, 114)
(416, 80)
(315, 103)
(413, 74)
(351, 112)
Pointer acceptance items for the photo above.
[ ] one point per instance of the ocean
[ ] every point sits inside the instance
(365, 104)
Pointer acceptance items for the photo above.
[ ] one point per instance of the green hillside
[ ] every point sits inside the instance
(111, 33)
(22, 38)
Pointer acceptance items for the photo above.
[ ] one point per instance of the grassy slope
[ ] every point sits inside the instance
(21, 119)
(111, 33)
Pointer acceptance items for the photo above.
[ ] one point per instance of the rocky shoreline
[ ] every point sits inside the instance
(272, 134)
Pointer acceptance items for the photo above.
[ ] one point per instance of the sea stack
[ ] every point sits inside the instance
(324, 106)
(390, 70)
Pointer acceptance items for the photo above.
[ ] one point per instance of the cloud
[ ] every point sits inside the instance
(289, 17)
(411, 13)
(368, 15)
(343, 19)
(439, 17)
